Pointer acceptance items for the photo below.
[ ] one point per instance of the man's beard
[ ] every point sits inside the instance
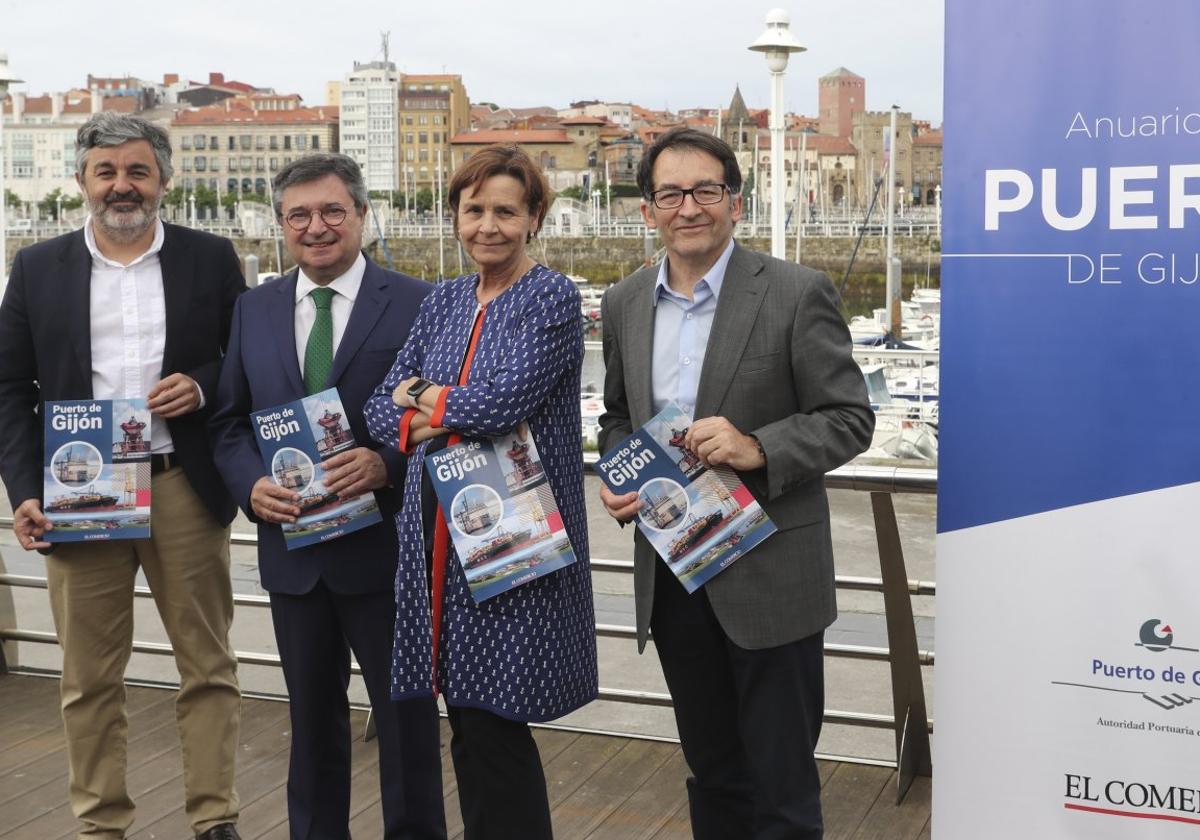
(127, 226)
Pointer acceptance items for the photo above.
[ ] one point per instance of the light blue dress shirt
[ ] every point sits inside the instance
(681, 329)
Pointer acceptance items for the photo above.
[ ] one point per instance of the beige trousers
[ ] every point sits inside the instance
(186, 562)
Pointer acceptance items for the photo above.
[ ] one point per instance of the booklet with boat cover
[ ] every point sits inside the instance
(96, 476)
(500, 512)
(295, 440)
(698, 519)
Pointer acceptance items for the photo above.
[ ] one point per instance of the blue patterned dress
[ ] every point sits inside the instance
(528, 654)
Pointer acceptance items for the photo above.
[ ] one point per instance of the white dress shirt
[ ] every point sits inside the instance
(346, 288)
(129, 328)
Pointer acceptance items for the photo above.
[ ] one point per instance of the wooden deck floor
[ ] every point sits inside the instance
(600, 786)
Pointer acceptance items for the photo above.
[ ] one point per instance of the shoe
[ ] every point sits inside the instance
(224, 831)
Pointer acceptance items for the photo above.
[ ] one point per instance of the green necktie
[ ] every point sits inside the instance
(318, 352)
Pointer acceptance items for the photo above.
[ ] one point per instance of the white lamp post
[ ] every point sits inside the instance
(5, 81)
(192, 208)
(937, 203)
(777, 44)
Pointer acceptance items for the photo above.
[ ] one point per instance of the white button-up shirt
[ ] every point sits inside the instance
(129, 328)
(346, 290)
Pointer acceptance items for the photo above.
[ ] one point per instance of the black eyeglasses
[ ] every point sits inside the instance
(670, 198)
(299, 220)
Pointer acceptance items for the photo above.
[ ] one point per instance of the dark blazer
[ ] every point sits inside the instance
(261, 370)
(778, 366)
(46, 350)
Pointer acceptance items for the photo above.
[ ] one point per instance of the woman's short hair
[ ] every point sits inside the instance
(503, 159)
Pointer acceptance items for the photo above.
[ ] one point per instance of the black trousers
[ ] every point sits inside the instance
(315, 633)
(748, 721)
(501, 784)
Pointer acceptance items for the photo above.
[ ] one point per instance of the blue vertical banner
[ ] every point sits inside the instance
(1068, 692)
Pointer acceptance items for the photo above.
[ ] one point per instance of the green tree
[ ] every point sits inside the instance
(48, 206)
(256, 198)
(206, 199)
(396, 198)
(424, 200)
(72, 202)
(12, 199)
(575, 192)
(174, 198)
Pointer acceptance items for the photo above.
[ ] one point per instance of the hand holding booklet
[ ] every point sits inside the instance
(500, 512)
(96, 472)
(295, 440)
(699, 519)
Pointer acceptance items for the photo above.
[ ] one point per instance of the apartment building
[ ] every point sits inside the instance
(369, 102)
(233, 147)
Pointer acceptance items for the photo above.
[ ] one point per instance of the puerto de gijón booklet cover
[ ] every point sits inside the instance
(500, 511)
(698, 519)
(96, 476)
(295, 440)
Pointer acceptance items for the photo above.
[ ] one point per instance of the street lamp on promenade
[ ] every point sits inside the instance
(5, 81)
(777, 44)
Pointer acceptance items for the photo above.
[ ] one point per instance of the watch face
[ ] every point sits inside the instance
(415, 389)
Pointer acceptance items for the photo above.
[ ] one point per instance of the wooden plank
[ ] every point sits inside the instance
(848, 796)
(50, 735)
(600, 787)
(888, 820)
(24, 696)
(265, 805)
(570, 769)
(613, 783)
(31, 716)
(24, 780)
(552, 743)
(677, 827)
(157, 786)
(650, 805)
(42, 811)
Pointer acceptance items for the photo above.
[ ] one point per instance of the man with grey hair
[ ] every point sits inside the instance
(336, 321)
(130, 307)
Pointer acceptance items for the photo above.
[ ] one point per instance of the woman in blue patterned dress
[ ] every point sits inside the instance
(491, 353)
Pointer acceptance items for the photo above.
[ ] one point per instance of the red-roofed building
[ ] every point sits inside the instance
(234, 146)
(617, 113)
(40, 138)
(563, 158)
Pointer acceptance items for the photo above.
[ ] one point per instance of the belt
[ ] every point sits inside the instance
(163, 462)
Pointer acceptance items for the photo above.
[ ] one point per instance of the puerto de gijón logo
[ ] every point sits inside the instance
(1156, 635)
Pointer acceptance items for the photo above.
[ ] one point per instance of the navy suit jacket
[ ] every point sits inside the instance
(261, 371)
(46, 348)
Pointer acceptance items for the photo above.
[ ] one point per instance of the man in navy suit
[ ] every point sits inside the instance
(337, 321)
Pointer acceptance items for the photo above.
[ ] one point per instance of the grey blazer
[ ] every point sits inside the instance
(778, 366)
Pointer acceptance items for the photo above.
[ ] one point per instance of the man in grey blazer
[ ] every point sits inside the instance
(756, 349)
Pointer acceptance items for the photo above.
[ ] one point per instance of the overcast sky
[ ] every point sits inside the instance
(656, 53)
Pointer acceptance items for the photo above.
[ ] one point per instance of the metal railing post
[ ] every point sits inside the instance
(8, 619)
(908, 691)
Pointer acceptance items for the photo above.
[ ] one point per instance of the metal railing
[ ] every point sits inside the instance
(908, 722)
(428, 229)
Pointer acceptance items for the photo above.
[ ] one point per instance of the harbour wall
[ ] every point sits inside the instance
(605, 260)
